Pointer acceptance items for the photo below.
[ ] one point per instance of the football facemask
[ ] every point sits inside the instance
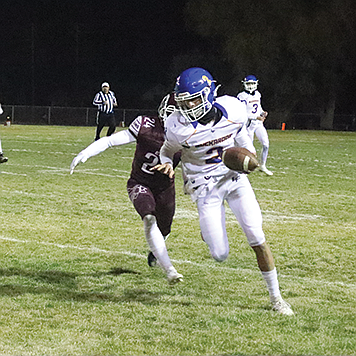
(194, 107)
(250, 83)
(167, 107)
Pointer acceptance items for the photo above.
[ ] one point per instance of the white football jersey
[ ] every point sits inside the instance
(202, 145)
(252, 103)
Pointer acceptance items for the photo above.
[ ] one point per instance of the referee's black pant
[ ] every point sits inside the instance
(103, 119)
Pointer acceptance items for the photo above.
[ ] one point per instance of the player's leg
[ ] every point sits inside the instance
(144, 203)
(165, 208)
(212, 224)
(251, 130)
(261, 134)
(100, 123)
(244, 205)
(2, 158)
(112, 124)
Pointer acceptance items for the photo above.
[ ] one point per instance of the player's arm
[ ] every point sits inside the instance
(98, 99)
(242, 139)
(262, 117)
(166, 157)
(114, 100)
(117, 139)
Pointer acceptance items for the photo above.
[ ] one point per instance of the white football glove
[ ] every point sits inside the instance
(78, 159)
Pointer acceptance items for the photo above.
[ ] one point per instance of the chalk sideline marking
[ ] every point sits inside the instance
(202, 265)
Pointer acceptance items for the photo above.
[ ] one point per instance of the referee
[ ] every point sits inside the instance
(105, 100)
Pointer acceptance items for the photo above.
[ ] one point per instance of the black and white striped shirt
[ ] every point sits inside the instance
(100, 98)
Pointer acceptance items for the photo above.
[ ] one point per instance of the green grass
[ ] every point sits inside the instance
(73, 273)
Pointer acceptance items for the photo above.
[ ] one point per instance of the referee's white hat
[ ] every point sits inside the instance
(105, 84)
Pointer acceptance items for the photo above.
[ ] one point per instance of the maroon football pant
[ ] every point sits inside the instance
(157, 202)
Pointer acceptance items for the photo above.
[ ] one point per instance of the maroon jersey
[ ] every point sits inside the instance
(149, 134)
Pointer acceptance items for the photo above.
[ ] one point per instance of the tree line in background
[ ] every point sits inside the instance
(303, 51)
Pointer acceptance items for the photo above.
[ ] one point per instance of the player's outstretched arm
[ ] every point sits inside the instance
(117, 139)
(78, 159)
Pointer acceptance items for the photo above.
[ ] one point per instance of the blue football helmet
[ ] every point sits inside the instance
(250, 83)
(167, 107)
(194, 93)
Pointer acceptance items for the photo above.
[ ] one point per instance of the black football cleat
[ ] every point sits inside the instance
(151, 259)
(3, 159)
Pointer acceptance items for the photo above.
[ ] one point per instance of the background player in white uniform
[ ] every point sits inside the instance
(2, 158)
(251, 97)
(152, 193)
(202, 129)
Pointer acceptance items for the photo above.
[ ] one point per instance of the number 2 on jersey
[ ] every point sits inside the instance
(148, 165)
(217, 156)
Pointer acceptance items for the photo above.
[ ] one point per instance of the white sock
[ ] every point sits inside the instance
(156, 242)
(271, 280)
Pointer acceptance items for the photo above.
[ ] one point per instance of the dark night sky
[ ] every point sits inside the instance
(59, 52)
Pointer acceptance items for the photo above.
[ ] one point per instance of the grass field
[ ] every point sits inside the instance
(74, 278)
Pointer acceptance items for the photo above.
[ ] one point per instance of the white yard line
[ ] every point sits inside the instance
(14, 174)
(65, 171)
(201, 265)
(268, 215)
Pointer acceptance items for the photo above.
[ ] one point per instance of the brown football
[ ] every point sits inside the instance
(240, 159)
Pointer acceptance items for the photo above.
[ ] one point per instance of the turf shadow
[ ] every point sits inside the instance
(63, 286)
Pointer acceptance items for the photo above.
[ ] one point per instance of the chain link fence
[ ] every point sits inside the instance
(81, 116)
(68, 116)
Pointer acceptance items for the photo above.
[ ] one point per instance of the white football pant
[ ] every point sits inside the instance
(257, 128)
(237, 191)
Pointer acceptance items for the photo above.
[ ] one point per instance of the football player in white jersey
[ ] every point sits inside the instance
(3, 159)
(202, 128)
(251, 97)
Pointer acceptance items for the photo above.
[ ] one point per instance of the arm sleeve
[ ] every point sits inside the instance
(117, 139)
(169, 148)
(167, 152)
(114, 99)
(241, 98)
(97, 99)
(242, 139)
(135, 126)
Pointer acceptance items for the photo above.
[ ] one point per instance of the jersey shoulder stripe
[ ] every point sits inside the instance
(135, 126)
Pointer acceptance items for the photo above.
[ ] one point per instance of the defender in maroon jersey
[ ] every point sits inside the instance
(152, 193)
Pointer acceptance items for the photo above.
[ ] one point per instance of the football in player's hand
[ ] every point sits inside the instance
(240, 159)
